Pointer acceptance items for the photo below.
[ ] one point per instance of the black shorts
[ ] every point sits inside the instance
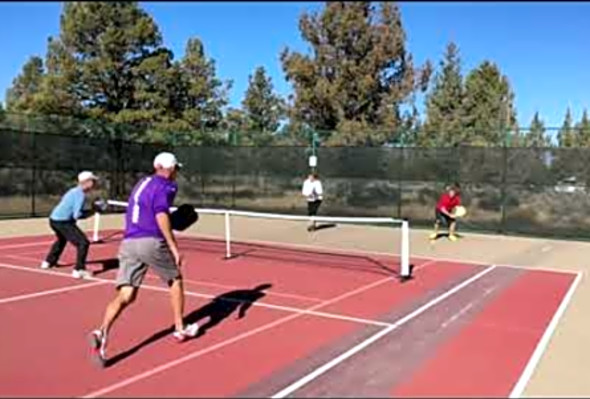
(442, 218)
(313, 206)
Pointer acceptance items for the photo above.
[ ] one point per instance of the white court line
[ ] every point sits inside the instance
(352, 351)
(25, 245)
(344, 251)
(267, 305)
(544, 341)
(88, 232)
(28, 256)
(277, 294)
(49, 292)
(222, 344)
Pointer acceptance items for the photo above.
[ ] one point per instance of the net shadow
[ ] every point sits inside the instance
(299, 256)
(281, 253)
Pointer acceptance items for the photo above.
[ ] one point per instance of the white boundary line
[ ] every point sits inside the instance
(25, 245)
(48, 233)
(543, 343)
(276, 294)
(29, 255)
(310, 310)
(352, 351)
(49, 292)
(304, 311)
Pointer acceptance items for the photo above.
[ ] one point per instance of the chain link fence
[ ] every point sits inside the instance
(528, 191)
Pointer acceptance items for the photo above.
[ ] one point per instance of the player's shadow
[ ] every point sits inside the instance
(219, 309)
(445, 235)
(107, 265)
(322, 226)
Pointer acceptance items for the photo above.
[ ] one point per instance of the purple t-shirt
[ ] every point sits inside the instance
(151, 195)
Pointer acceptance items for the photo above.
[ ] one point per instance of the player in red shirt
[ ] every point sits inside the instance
(444, 211)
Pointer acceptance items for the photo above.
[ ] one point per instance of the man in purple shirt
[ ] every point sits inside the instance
(148, 242)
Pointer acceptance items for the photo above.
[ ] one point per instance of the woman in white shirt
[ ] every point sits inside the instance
(313, 191)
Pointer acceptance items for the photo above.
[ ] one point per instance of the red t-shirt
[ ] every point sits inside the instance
(447, 202)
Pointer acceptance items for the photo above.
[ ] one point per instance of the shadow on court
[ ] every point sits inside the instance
(317, 258)
(219, 309)
(446, 235)
(323, 226)
(107, 265)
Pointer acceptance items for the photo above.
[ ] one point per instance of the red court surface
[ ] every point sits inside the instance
(314, 324)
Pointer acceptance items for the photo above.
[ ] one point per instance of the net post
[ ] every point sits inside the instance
(406, 268)
(227, 236)
(96, 229)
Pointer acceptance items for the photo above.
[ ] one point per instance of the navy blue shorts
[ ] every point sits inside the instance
(443, 219)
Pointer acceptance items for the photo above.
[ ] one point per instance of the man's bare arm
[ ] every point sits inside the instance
(163, 220)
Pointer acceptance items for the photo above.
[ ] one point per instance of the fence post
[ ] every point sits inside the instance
(34, 176)
(234, 176)
(503, 189)
(399, 183)
(118, 144)
(227, 236)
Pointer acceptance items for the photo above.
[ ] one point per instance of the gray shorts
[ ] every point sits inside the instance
(136, 255)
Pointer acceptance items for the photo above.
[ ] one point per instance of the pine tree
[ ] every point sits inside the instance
(444, 124)
(536, 136)
(110, 42)
(566, 136)
(59, 94)
(515, 137)
(583, 131)
(235, 122)
(488, 106)
(26, 86)
(358, 74)
(263, 108)
(206, 95)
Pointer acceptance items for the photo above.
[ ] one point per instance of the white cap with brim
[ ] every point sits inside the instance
(166, 160)
(86, 175)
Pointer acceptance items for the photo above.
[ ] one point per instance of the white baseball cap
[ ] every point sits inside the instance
(86, 175)
(166, 160)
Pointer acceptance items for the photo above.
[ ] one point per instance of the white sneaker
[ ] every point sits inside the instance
(81, 274)
(189, 331)
(45, 265)
(98, 342)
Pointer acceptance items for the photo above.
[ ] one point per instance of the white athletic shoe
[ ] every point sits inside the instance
(189, 331)
(98, 342)
(45, 265)
(81, 274)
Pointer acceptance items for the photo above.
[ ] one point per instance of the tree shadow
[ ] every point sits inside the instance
(219, 309)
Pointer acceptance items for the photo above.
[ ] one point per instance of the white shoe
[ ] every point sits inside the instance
(98, 342)
(45, 265)
(189, 331)
(81, 274)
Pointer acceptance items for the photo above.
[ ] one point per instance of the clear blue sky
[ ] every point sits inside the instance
(543, 48)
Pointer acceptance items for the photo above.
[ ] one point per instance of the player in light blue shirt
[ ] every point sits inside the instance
(63, 223)
(70, 207)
